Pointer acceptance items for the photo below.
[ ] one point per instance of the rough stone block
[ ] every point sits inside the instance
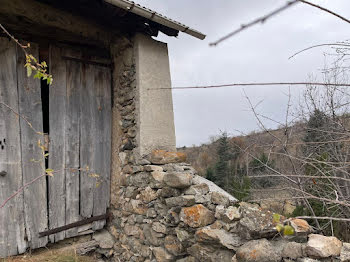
(178, 180)
(161, 157)
(197, 216)
(319, 246)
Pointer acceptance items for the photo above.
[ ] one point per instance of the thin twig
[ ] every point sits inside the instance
(325, 218)
(326, 10)
(273, 13)
(25, 119)
(315, 46)
(257, 21)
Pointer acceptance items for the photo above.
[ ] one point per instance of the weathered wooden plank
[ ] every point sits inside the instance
(33, 160)
(72, 143)
(12, 233)
(102, 148)
(57, 183)
(87, 138)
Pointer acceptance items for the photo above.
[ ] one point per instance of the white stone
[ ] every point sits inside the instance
(319, 246)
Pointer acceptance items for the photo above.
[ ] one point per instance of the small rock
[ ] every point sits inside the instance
(148, 195)
(143, 162)
(173, 245)
(104, 239)
(200, 189)
(151, 213)
(162, 255)
(132, 230)
(86, 247)
(345, 253)
(158, 227)
(139, 179)
(137, 207)
(150, 168)
(169, 192)
(258, 251)
(151, 236)
(188, 200)
(157, 179)
(197, 216)
(137, 169)
(292, 250)
(232, 213)
(182, 235)
(209, 253)
(219, 199)
(319, 246)
(178, 180)
(202, 199)
(218, 236)
(212, 187)
(300, 225)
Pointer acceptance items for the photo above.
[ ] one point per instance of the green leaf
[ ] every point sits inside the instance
(47, 154)
(279, 228)
(49, 80)
(29, 71)
(288, 230)
(276, 218)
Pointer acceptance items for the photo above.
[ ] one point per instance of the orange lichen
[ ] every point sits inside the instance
(193, 213)
(162, 156)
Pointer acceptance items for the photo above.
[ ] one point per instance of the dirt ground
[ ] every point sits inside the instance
(51, 255)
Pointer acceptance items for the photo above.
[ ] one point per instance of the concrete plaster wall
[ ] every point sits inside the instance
(154, 107)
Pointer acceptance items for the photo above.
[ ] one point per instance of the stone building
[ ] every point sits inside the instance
(104, 109)
(92, 157)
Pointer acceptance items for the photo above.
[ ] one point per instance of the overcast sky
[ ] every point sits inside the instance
(257, 54)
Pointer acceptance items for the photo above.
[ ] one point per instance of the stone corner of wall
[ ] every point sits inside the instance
(169, 213)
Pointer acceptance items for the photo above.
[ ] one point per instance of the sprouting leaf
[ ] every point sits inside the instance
(49, 172)
(276, 218)
(29, 71)
(279, 228)
(49, 80)
(47, 154)
(288, 230)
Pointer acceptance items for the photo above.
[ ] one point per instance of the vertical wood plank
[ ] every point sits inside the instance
(12, 232)
(57, 183)
(87, 138)
(102, 134)
(72, 144)
(33, 160)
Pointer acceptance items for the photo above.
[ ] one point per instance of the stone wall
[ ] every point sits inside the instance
(168, 213)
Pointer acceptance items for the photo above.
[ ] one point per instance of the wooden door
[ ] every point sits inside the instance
(80, 140)
(21, 159)
(79, 150)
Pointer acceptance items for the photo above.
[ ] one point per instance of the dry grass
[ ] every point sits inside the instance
(56, 255)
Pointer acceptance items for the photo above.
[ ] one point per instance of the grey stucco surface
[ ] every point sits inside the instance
(155, 116)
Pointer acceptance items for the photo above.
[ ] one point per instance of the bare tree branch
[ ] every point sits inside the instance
(315, 46)
(326, 10)
(273, 13)
(257, 21)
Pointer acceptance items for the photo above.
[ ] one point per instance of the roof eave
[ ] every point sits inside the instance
(155, 17)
